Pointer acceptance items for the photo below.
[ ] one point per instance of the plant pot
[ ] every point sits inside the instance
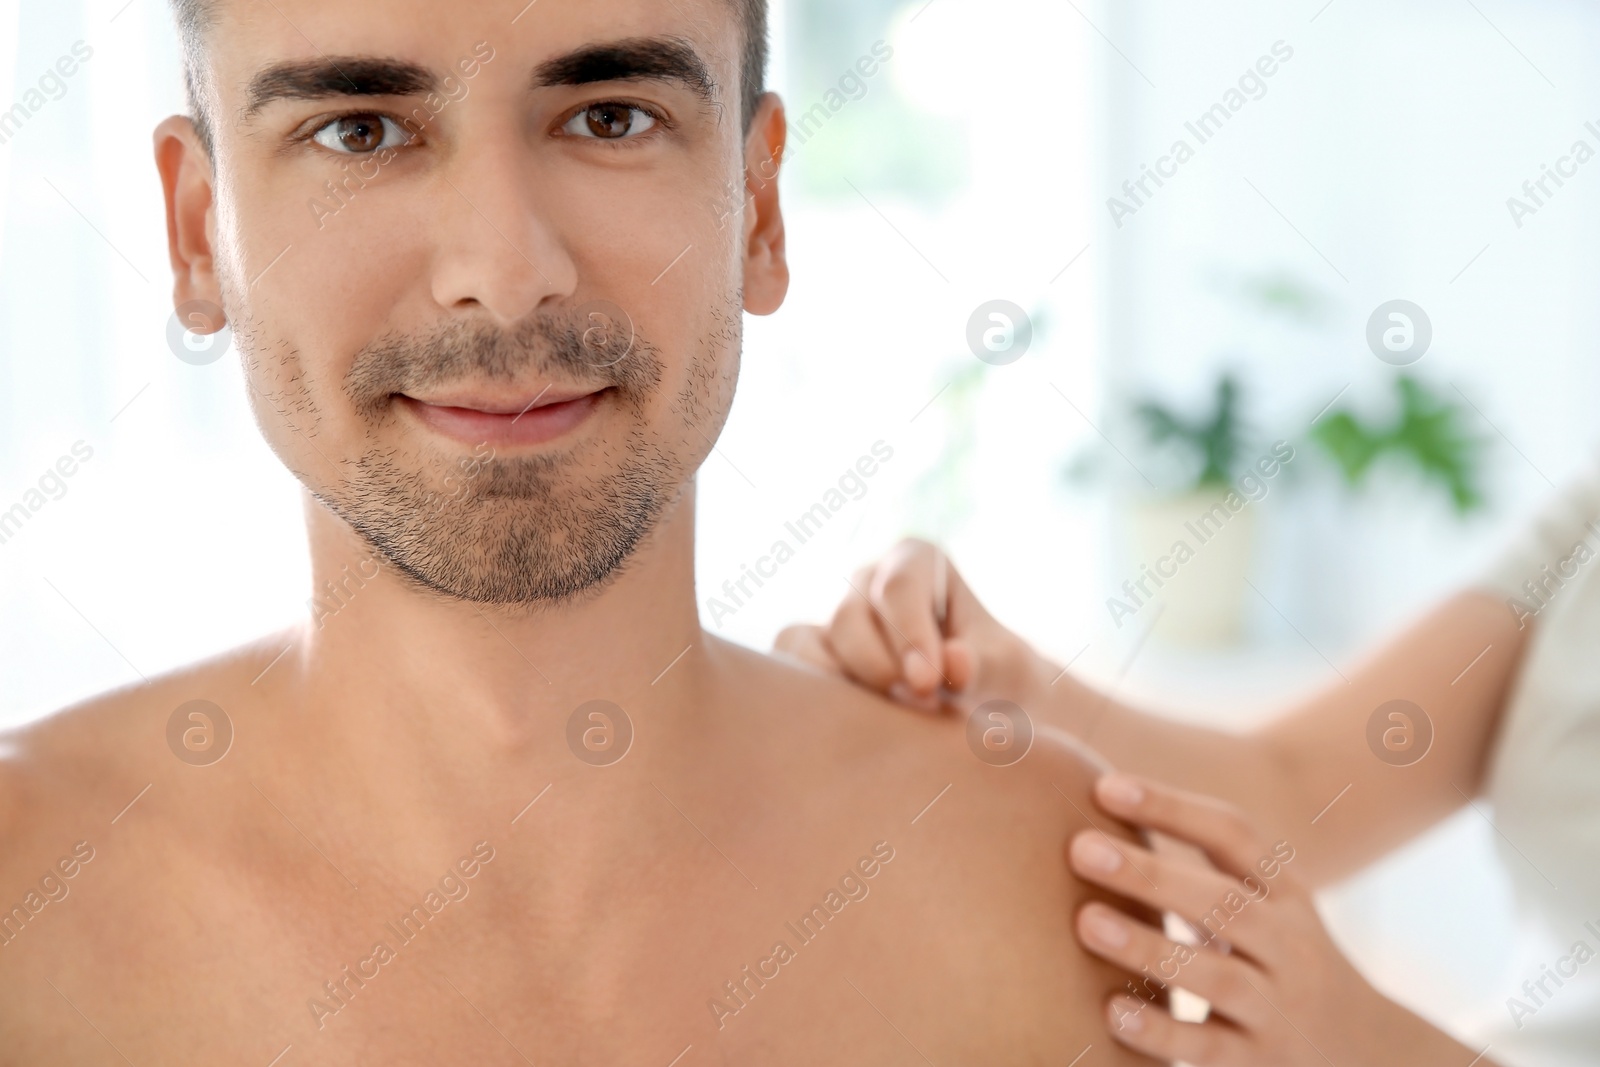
(1190, 559)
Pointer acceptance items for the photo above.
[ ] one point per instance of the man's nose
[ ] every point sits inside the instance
(494, 247)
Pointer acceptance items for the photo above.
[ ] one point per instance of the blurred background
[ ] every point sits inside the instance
(1157, 341)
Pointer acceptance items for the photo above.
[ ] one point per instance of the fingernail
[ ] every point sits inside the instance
(1104, 929)
(1125, 1014)
(901, 693)
(1121, 791)
(918, 671)
(956, 662)
(1095, 854)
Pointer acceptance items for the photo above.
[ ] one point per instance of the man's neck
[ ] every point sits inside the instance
(413, 681)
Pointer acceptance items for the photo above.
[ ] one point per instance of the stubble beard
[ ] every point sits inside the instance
(528, 531)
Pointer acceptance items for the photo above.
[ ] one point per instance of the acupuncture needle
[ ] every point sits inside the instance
(941, 609)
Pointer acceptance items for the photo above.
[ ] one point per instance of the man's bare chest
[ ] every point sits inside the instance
(167, 959)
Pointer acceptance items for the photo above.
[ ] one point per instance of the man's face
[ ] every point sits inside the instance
(479, 262)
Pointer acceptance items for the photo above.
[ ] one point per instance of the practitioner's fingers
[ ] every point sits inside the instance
(858, 641)
(1221, 830)
(809, 644)
(1156, 962)
(960, 664)
(908, 588)
(1215, 903)
(910, 628)
(1263, 943)
(1151, 1030)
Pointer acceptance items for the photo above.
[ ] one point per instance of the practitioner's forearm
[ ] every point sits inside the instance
(1244, 769)
(1386, 750)
(1428, 1046)
(1401, 741)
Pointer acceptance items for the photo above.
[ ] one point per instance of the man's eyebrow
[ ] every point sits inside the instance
(631, 59)
(325, 77)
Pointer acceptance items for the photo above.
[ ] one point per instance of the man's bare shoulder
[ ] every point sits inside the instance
(78, 768)
(977, 813)
(1001, 747)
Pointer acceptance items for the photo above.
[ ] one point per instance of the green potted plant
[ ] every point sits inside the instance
(1192, 541)
(1427, 434)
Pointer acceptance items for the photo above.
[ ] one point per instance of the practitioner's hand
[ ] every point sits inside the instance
(910, 628)
(1281, 993)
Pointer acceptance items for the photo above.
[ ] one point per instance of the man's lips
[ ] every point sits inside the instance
(503, 421)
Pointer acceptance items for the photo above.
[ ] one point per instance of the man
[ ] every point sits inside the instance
(501, 800)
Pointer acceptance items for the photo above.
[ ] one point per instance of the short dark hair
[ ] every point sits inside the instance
(194, 18)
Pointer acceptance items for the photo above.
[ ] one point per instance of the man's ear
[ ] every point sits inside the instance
(766, 264)
(187, 182)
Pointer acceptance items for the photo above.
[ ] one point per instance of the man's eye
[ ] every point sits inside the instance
(361, 134)
(610, 122)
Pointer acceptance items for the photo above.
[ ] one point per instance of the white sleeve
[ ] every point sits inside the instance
(1565, 534)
